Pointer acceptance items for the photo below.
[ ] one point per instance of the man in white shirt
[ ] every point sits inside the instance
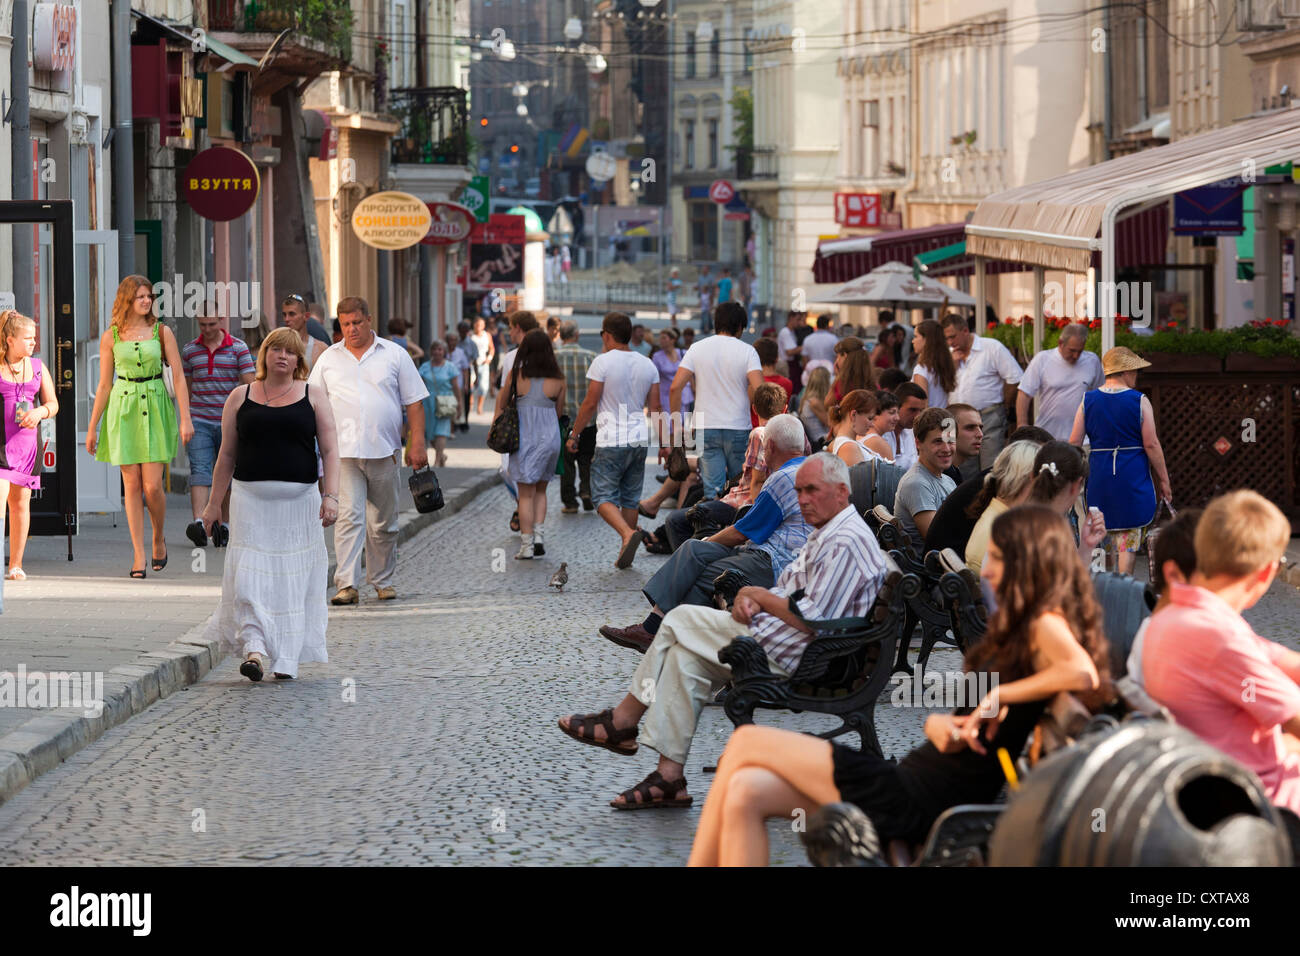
(725, 372)
(987, 376)
(820, 346)
(787, 343)
(1058, 378)
(621, 383)
(912, 401)
(368, 381)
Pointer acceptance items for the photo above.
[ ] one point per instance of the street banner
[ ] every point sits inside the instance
(628, 221)
(574, 139)
(496, 254)
(475, 197)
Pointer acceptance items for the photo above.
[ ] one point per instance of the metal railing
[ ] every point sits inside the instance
(329, 21)
(435, 126)
(606, 295)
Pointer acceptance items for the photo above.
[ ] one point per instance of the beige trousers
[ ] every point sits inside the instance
(368, 491)
(680, 673)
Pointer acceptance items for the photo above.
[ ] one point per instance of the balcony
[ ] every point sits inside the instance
(328, 22)
(435, 128)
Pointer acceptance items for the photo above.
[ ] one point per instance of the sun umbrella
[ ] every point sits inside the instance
(893, 284)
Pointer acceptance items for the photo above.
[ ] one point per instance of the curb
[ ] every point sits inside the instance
(45, 741)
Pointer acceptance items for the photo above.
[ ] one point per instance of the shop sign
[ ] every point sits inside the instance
(391, 220)
(220, 183)
(1214, 210)
(722, 192)
(857, 210)
(452, 223)
(475, 197)
(54, 32)
(496, 254)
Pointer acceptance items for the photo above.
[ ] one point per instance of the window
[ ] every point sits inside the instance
(704, 230)
(715, 54)
(749, 53)
(690, 56)
(712, 127)
(688, 140)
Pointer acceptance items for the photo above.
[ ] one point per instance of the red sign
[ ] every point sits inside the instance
(500, 227)
(857, 209)
(452, 223)
(722, 192)
(220, 184)
(329, 144)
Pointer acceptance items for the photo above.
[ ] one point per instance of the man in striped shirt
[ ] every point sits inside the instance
(214, 364)
(760, 545)
(840, 571)
(574, 361)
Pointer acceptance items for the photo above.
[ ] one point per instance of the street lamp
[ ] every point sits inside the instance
(573, 28)
(596, 63)
(508, 50)
(649, 4)
(521, 109)
(521, 89)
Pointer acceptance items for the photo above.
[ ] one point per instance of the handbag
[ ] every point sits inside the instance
(678, 467)
(503, 436)
(168, 381)
(445, 406)
(425, 490)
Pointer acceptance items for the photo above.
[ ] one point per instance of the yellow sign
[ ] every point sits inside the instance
(391, 220)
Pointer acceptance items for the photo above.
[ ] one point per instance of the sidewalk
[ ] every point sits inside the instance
(146, 638)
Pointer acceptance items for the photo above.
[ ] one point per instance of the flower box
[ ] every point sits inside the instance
(1184, 363)
(1246, 362)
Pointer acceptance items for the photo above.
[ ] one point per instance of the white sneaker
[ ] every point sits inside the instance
(525, 549)
(539, 546)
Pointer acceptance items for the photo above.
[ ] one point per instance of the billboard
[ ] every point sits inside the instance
(496, 254)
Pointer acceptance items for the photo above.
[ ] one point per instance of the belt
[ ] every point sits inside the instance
(151, 378)
(1114, 456)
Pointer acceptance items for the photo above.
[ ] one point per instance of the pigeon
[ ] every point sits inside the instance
(560, 578)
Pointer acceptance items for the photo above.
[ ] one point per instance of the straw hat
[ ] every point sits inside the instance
(1120, 359)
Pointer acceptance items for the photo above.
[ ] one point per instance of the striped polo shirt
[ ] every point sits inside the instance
(213, 374)
(840, 571)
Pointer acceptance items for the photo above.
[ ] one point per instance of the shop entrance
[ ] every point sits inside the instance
(49, 295)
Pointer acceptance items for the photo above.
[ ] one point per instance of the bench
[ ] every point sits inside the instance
(840, 834)
(945, 598)
(844, 668)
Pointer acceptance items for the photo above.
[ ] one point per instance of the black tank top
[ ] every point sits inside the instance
(275, 444)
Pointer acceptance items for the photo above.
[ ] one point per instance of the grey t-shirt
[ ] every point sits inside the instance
(920, 491)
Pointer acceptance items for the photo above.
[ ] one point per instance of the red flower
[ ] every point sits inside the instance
(992, 324)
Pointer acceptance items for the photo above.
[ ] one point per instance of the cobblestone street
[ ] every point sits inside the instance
(449, 752)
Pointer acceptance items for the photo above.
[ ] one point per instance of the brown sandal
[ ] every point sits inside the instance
(582, 728)
(640, 798)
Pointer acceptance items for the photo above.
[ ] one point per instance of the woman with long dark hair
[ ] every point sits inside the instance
(538, 383)
(1045, 639)
(854, 371)
(936, 372)
(1059, 474)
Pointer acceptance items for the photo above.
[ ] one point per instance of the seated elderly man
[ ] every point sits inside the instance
(759, 545)
(839, 570)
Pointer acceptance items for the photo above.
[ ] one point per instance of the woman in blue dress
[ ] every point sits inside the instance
(1121, 431)
(443, 404)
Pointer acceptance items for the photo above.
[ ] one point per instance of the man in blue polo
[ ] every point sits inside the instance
(759, 545)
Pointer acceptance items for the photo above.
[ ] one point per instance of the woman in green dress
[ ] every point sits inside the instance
(133, 424)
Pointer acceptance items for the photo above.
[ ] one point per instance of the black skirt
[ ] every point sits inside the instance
(874, 785)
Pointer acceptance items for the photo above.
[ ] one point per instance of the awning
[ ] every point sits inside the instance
(840, 260)
(1060, 222)
(184, 33)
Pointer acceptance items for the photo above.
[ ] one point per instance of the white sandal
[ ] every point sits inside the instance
(16, 574)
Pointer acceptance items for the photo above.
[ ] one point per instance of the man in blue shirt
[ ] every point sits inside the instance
(724, 286)
(760, 545)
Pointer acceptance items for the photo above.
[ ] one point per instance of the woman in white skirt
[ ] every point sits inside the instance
(273, 610)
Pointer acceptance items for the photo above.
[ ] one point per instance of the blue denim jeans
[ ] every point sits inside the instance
(618, 475)
(202, 449)
(722, 455)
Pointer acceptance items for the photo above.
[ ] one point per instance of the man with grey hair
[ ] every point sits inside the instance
(838, 572)
(1058, 378)
(759, 545)
(574, 361)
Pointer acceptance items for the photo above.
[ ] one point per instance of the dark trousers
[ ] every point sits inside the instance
(586, 448)
(680, 529)
(687, 577)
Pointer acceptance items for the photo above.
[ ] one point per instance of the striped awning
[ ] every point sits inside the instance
(842, 260)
